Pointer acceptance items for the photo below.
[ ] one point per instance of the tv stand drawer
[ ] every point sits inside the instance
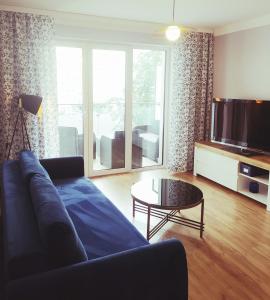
(219, 168)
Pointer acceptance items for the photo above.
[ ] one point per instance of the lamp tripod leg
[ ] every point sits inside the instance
(13, 134)
(26, 133)
(22, 127)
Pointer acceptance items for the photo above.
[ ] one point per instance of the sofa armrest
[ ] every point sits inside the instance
(141, 128)
(64, 167)
(157, 271)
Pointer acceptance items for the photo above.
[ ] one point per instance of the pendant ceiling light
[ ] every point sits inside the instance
(173, 32)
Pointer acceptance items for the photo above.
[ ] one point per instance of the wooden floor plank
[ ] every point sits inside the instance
(232, 261)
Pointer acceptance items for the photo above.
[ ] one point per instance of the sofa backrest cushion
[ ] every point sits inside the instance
(24, 253)
(64, 167)
(55, 226)
(30, 166)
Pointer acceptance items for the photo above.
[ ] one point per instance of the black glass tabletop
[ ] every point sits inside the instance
(166, 193)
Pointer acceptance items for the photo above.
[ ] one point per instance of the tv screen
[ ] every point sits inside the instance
(243, 123)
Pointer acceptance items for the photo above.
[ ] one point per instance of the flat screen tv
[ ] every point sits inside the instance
(242, 123)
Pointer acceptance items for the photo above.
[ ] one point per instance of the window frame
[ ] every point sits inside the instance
(87, 94)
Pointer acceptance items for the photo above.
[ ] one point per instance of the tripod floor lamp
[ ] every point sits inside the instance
(31, 104)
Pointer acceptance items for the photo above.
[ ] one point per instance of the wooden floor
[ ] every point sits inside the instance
(232, 261)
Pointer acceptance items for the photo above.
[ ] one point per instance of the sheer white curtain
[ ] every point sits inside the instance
(27, 66)
(192, 92)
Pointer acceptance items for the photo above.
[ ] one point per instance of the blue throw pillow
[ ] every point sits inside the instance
(30, 166)
(55, 226)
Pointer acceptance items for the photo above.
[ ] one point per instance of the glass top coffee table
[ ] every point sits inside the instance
(155, 197)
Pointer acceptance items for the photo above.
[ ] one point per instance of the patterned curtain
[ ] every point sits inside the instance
(190, 106)
(27, 66)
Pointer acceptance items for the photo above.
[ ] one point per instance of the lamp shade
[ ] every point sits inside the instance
(31, 103)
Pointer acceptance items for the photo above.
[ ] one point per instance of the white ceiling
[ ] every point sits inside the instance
(190, 13)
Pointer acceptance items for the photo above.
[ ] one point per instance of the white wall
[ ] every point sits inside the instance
(66, 31)
(103, 29)
(242, 64)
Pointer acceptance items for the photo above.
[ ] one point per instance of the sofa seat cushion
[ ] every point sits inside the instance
(55, 226)
(101, 227)
(30, 166)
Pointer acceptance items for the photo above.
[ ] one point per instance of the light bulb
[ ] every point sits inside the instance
(173, 33)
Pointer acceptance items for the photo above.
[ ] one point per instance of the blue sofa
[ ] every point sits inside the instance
(63, 239)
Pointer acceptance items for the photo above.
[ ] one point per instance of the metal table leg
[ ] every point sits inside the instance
(202, 213)
(148, 222)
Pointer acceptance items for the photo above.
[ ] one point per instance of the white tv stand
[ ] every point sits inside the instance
(215, 162)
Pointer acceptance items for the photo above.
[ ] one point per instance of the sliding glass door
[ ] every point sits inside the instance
(111, 101)
(147, 107)
(109, 85)
(70, 101)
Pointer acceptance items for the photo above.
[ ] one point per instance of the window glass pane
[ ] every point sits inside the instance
(109, 109)
(69, 93)
(148, 97)
(69, 75)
